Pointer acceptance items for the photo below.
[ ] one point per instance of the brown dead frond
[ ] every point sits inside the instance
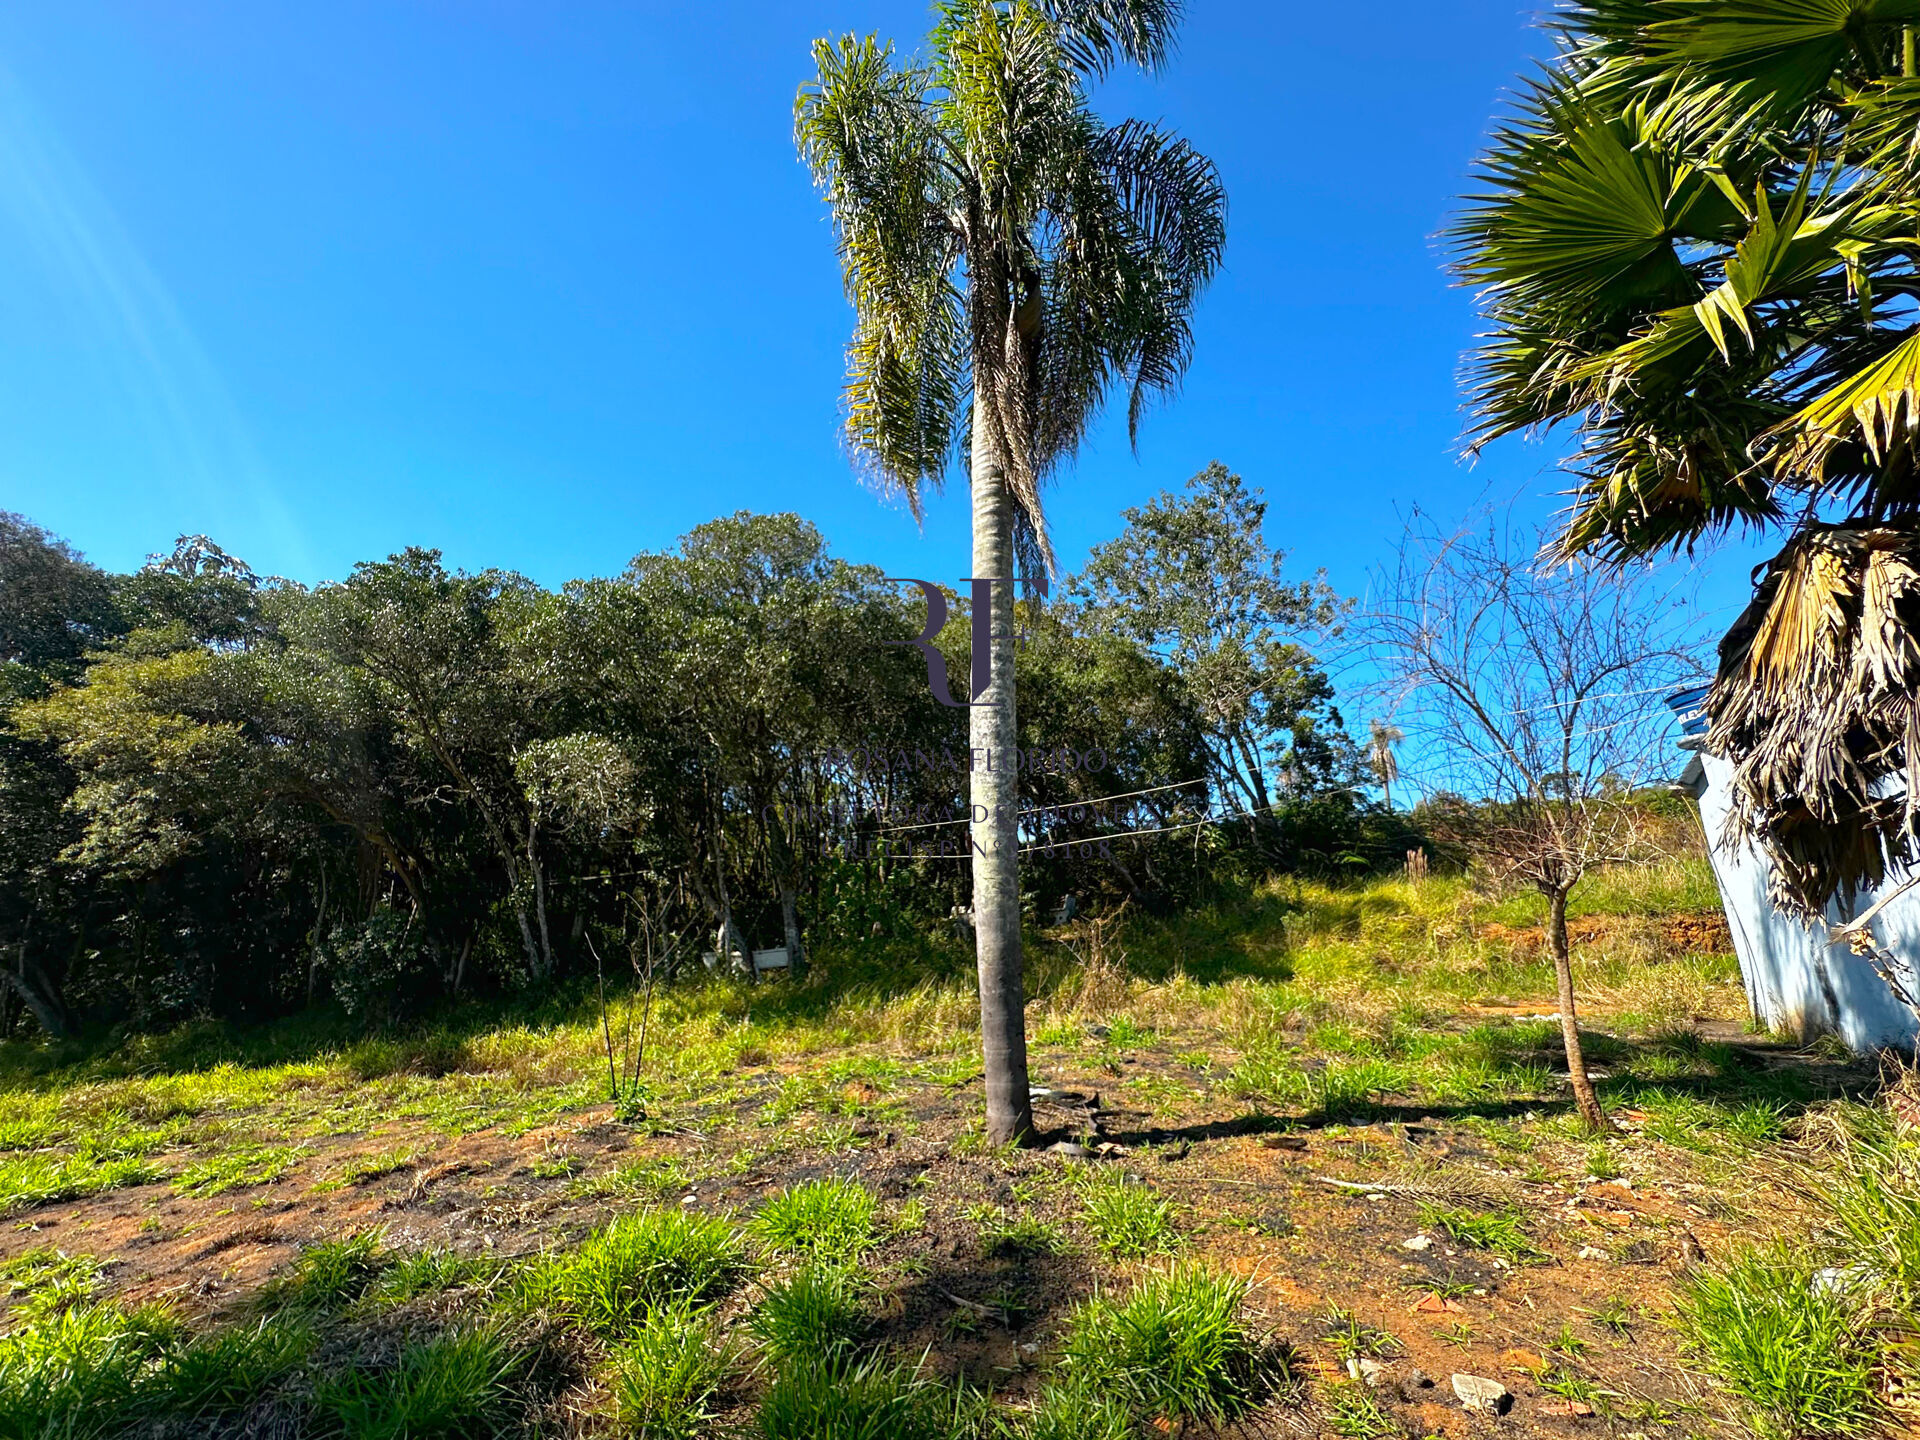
(1814, 706)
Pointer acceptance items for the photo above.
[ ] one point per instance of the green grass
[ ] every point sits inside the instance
(820, 1309)
(229, 1369)
(1352, 1411)
(233, 1169)
(78, 1373)
(1501, 1231)
(1126, 1217)
(612, 1279)
(451, 1386)
(331, 1274)
(1178, 1348)
(668, 1371)
(1002, 1232)
(27, 1180)
(843, 1398)
(1796, 1357)
(833, 1218)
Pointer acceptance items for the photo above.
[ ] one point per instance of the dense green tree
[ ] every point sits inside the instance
(1010, 259)
(1193, 581)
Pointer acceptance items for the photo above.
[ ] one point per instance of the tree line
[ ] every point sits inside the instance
(229, 794)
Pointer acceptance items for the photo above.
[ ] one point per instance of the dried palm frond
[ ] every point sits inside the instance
(1814, 706)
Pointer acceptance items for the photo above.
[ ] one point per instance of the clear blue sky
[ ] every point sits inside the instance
(544, 285)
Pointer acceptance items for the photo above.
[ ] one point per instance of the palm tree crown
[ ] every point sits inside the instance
(1696, 240)
(1003, 249)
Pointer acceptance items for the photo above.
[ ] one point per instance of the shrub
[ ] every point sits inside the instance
(643, 1260)
(1178, 1348)
(1128, 1218)
(1791, 1351)
(817, 1311)
(830, 1218)
(666, 1376)
(450, 1387)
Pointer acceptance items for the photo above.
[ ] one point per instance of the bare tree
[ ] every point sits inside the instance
(1532, 699)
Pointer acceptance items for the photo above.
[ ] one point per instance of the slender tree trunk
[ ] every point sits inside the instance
(1583, 1092)
(540, 899)
(994, 832)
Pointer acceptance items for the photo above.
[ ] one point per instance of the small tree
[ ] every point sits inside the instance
(1383, 741)
(1534, 701)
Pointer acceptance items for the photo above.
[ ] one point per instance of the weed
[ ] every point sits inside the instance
(1349, 1339)
(650, 1258)
(1353, 1412)
(1501, 1231)
(1459, 1335)
(1004, 1234)
(1613, 1316)
(229, 1368)
(428, 1272)
(1178, 1348)
(1601, 1164)
(818, 1310)
(449, 1387)
(1790, 1351)
(666, 1375)
(362, 1168)
(1566, 1342)
(1124, 1033)
(1070, 1412)
(45, 1280)
(1126, 1217)
(820, 1217)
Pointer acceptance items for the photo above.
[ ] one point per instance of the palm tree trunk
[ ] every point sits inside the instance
(995, 835)
(1583, 1093)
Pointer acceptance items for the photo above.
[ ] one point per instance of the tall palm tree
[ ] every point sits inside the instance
(1381, 741)
(1695, 240)
(1010, 259)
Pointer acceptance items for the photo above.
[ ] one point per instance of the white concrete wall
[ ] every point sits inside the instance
(1796, 982)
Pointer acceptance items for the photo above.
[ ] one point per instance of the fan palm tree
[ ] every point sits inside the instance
(1696, 241)
(1381, 741)
(1010, 259)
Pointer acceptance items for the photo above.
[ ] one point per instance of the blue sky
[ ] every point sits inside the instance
(545, 285)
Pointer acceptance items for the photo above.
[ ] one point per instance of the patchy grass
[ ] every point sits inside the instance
(806, 1233)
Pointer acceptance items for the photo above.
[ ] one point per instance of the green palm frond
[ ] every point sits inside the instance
(1007, 255)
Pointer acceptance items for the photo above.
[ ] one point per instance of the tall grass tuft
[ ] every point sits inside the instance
(640, 1261)
(1177, 1349)
(841, 1398)
(817, 1311)
(453, 1386)
(1791, 1350)
(76, 1374)
(829, 1218)
(1127, 1217)
(666, 1376)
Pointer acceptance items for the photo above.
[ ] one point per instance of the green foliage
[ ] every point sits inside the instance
(1792, 1351)
(833, 1218)
(331, 1274)
(77, 1372)
(1352, 1411)
(667, 1372)
(613, 1278)
(843, 1398)
(818, 1310)
(1071, 1412)
(235, 1169)
(228, 1368)
(1127, 1217)
(1179, 1347)
(37, 1179)
(452, 1386)
(1501, 1231)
